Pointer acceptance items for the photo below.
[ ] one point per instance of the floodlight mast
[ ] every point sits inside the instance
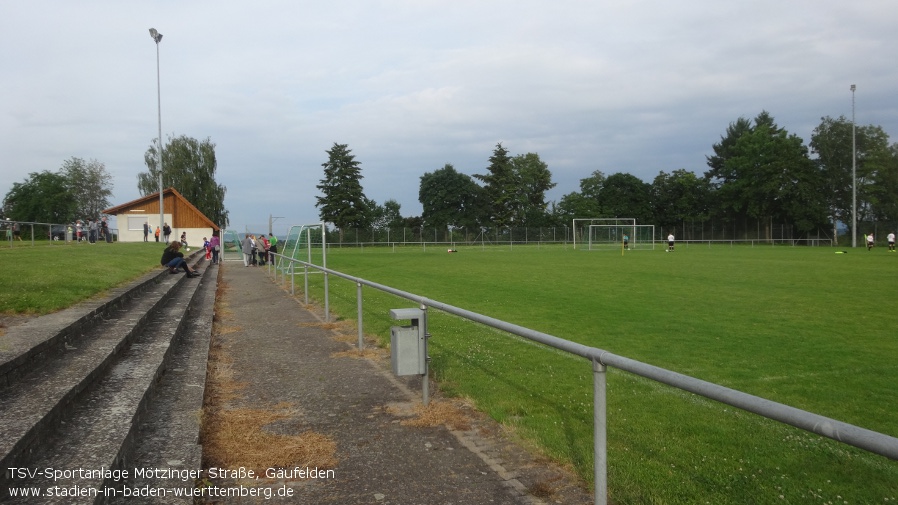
(853, 174)
(157, 37)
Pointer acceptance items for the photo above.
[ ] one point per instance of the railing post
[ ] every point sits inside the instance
(305, 271)
(327, 301)
(425, 380)
(358, 291)
(600, 432)
(292, 277)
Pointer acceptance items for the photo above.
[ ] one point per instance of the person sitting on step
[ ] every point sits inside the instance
(173, 259)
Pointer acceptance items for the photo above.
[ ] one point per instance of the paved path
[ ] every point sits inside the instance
(289, 361)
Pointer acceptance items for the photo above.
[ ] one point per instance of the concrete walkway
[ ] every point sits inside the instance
(288, 361)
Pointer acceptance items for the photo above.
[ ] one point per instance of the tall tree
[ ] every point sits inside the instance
(343, 201)
(724, 150)
(498, 186)
(44, 197)
(532, 179)
(90, 184)
(582, 204)
(591, 187)
(831, 142)
(625, 195)
(885, 188)
(575, 205)
(189, 166)
(766, 174)
(386, 216)
(450, 198)
(679, 196)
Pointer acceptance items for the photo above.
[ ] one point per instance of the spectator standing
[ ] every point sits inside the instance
(207, 246)
(146, 232)
(92, 231)
(247, 248)
(16, 231)
(216, 247)
(104, 227)
(272, 246)
(157, 234)
(79, 230)
(263, 249)
(166, 232)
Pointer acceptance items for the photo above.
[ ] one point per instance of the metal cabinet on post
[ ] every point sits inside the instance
(408, 350)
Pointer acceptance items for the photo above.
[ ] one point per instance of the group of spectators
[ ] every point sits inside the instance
(258, 250)
(93, 230)
(164, 233)
(13, 231)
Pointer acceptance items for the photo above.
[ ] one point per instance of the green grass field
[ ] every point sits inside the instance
(48, 277)
(801, 326)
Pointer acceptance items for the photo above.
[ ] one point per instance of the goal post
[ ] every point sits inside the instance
(612, 237)
(581, 226)
(306, 242)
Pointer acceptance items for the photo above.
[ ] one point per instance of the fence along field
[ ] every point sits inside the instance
(801, 326)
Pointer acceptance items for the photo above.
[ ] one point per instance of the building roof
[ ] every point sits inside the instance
(153, 200)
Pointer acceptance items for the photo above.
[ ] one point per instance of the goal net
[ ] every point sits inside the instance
(610, 237)
(305, 242)
(581, 226)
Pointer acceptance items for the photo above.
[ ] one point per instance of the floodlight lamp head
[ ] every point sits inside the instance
(853, 87)
(155, 35)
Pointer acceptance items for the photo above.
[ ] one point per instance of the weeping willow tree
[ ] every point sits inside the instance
(188, 165)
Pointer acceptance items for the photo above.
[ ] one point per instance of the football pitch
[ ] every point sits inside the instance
(797, 325)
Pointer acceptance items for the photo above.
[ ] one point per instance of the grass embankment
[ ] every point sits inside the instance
(801, 326)
(47, 277)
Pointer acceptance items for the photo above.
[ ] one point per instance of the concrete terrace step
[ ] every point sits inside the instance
(168, 433)
(79, 407)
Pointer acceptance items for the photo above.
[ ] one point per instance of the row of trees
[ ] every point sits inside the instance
(78, 190)
(759, 172)
(81, 189)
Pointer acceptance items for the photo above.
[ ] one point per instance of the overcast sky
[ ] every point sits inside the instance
(410, 85)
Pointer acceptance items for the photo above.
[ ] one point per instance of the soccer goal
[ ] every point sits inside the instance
(612, 237)
(306, 242)
(581, 227)
(230, 246)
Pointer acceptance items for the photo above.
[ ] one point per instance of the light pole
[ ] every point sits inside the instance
(271, 220)
(157, 37)
(853, 174)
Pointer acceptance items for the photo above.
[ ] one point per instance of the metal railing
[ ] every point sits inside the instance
(32, 232)
(862, 438)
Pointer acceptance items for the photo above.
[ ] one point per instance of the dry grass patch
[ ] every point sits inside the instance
(345, 337)
(221, 387)
(239, 438)
(547, 488)
(224, 329)
(343, 326)
(438, 413)
(366, 353)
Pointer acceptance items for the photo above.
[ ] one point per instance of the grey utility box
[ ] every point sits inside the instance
(407, 346)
